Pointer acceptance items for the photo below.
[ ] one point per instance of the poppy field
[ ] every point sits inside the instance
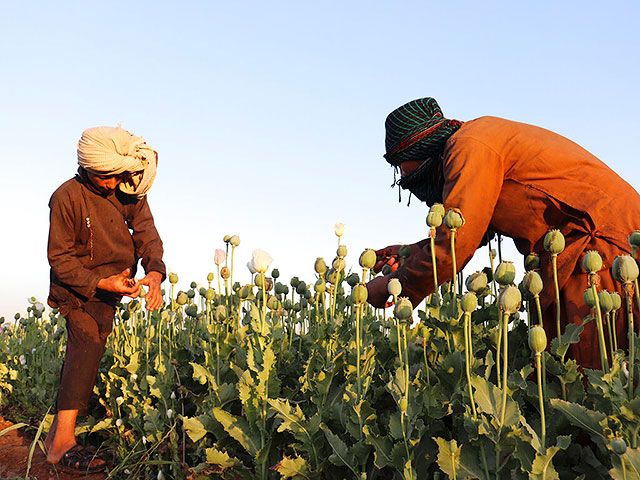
(303, 379)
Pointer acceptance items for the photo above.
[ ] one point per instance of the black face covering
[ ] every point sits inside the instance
(425, 182)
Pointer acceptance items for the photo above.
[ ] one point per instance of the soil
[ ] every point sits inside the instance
(14, 455)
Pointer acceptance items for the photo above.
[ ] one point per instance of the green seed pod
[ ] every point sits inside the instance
(225, 273)
(554, 242)
(605, 300)
(273, 303)
(202, 291)
(404, 251)
(191, 293)
(453, 219)
(244, 292)
(210, 294)
(434, 219)
(210, 277)
(304, 303)
(287, 304)
(403, 404)
(360, 294)
(331, 276)
(341, 251)
(349, 301)
(191, 310)
(589, 298)
(294, 282)
(173, 278)
(537, 339)
(624, 269)
(126, 315)
(476, 282)
(339, 264)
(533, 283)
(182, 298)
(510, 299)
(320, 286)
(634, 238)
(368, 258)
(505, 273)
(234, 240)
(437, 208)
(592, 261)
(532, 262)
(226, 238)
(617, 300)
(469, 302)
(259, 281)
(386, 269)
(202, 379)
(394, 287)
(618, 445)
(320, 266)
(193, 285)
(220, 313)
(279, 288)
(301, 288)
(403, 309)
(275, 273)
(353, 279)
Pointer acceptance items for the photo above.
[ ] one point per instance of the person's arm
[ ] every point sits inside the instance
(61, 249)
(149, 248)
(473, 174)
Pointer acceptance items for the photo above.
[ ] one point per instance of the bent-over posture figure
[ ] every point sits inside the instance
(100, 226)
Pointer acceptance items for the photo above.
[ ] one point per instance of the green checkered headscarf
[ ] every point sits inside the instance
(418, 131)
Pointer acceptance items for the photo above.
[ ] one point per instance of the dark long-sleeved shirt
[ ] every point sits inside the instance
(94, 235)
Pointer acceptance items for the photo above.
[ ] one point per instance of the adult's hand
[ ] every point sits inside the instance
(386, 255)
(154, 296)
(378, 291)
(120, 283)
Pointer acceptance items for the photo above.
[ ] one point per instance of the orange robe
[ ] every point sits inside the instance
(520, 181)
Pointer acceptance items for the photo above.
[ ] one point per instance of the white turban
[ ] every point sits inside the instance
(113, 150)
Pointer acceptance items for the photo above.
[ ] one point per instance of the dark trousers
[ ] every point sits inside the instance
(88, 327)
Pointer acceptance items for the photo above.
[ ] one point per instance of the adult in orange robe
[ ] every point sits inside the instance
(520, 181)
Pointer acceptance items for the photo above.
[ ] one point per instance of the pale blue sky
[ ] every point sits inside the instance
(269, 116)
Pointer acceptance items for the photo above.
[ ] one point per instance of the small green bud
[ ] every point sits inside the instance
(341, 251)
(226, 238)
(476, 282)
(510, 299)
(173, 278)
(368, 258)
(182, 298)
(404, 251)
(353, 279)
(403, 404)
(434, 219)
(394, 287)
(554, 242)
(403, 309)
(505, 273)
(210, 277)
(202, 291)
(532, 262)
(301, 288)
(537, 339)
(605, 300)
(617, 300)
(437, 208)
(294, 282)
(624, 269)
(618, 445)
(191, 293)
(589, 298)
(532, 283)
(320, 266)
(454, 219)
(634, 238)
(191, 310)
(360, 294)
(275, 273)
(592, 261)
(469, 302)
